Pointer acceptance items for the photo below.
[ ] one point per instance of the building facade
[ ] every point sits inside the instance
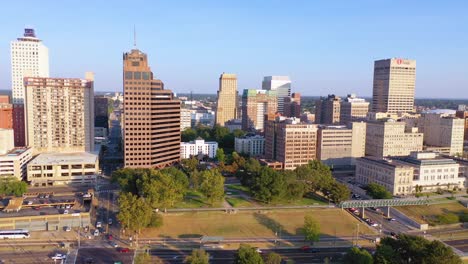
(290, 142)
(233, 124)
(101, 111)
(327, 110)
(394, 85)
(12, 160)
(282, 86)
(252, 145)
(48, 169)
(390, 138)
(341, 145)
(258, 106)
(6, 112)
(226, 107)
(464, 115)
(353, 109)
(185, 119)
(443, 131)
(292, 105)
(60, 114)
(151, 119)
(198, 147)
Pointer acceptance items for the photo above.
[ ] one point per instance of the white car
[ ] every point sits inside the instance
(67, 229)
(30, 202)
(96, 232)
(98, 224)
(59, 256)
(65, 212)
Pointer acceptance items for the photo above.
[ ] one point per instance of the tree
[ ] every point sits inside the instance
(212, 185)
(142, 258)
(358, 256)
(273, 258)
(311, 229)
(135, 213)
(269, 185)
(414, 249)
(378, 191)
(316, 175)
(12, 186)
(188, 135)
(339, 192)
(220, 157)
(238, 133)
(163, 188)
(190, 164)
(247, 255)
(199, 256)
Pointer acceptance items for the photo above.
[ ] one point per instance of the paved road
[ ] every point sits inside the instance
(461, 244)
(101, 255)
(26, 256)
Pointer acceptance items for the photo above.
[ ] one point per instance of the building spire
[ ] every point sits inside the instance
(134, 36)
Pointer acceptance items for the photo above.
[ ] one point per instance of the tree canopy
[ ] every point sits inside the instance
(378, 191)
(198, 256)
(358, 256)
(12, 186)
(247, 255)
(212, 185)
(311, 229)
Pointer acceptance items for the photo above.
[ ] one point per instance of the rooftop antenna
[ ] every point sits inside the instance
(134, 36)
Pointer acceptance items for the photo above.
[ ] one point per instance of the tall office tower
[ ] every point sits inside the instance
(29, 58)
(258, 106)
(464, 115)
(282, 86)
(151, 120)
(101, 111)
(389, 138)
(290, 142)
(442, 132)
(353, 109)
(394, 84)
(327, 110)
(227, 104)
(341, 145)
(292, 105)
(6, 112)
(60, 114)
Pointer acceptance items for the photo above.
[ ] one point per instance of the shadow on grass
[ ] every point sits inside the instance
(271, 224)
(190, 236)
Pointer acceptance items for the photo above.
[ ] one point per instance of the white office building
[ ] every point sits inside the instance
(282, 86)
(29, 58)
(198, 147)
(252, 145)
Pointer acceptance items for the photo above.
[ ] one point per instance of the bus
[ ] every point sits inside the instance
(16, 233)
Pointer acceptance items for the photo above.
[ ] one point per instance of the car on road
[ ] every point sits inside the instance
(113, 244)
(109, 237)
(30, 202)
(258, 250)
(67, 229)
(393, 234)
(37, 208)
(110, 221)
(59, 256)
(391, 219)
(99, 224)
(96, 232)
(89, 261)
(123, 250)
(309, 249)
(65, 212)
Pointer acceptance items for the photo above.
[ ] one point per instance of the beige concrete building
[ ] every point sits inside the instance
(353, 109)
(290, 142)
(390, 138)
(54, 168)
(395, 176)
(151, 119)
(394, 85)
(227, 103)
(341, 145)
(6, 140)
(253, 145)
(464, 115)
(327, 110)
(12, 160)
(185, 119)
(258, 106)
(442, 132)
(59, 114)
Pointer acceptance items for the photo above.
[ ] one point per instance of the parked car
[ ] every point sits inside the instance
(113, 244)
(391, 219)
(109, 237)
(30, 202)
(96, 232)
(110, 221)
(123, 250)
(59, 256)
(98, 224)
(65, 212)
(67, 229)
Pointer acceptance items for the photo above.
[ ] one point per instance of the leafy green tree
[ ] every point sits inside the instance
(273, 258)
(212, 185)
(414, 249)
(12, 186)
(127, 178)
(190, 164)
(311, 229)
(135, 213)
(247, 255)
(163, 188)
(198, 256)
(220, 157)
(269, 185)
(358, 256)
(378, 191)
(316, 175)
(238, 133)
(188, 134)
(339, 192)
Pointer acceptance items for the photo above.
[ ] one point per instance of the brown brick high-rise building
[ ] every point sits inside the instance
(327, 110)
(464, 115)
(6, 112)
(258, 106)
(292, 105)
(151, 118)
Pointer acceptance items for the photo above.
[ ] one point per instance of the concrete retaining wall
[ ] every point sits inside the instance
(45, 223)
(408, 220)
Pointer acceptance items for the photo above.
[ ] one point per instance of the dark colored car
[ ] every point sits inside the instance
(309, 249)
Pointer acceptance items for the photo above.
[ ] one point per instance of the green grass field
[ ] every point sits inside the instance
(194, 199)
(426, 214)
(255, 224)
(238, 202)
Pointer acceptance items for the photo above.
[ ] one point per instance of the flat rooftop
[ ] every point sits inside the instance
(64, 158)
(15, 152)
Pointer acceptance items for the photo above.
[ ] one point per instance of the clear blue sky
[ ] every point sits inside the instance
(324, 46)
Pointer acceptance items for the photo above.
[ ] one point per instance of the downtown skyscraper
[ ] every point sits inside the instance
(227, 102)
(29, 58)
(151, 119)
(394, 86)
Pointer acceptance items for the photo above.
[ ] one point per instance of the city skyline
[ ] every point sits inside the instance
(320, 53)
